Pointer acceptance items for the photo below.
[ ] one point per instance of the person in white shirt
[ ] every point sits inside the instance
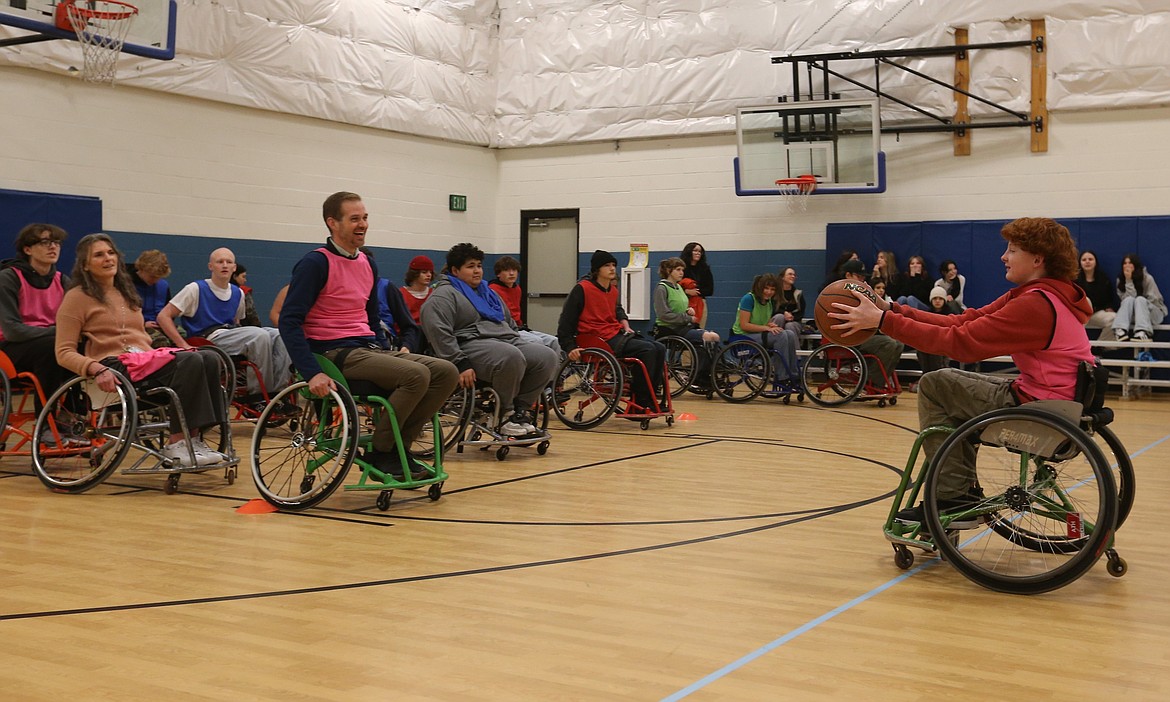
(212, 308)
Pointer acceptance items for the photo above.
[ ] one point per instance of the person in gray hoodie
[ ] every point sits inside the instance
(469, 325)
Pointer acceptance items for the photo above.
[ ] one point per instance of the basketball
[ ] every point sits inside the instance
(841, 291)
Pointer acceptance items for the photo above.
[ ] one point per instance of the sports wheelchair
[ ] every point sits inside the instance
(246, 407)
(834, 375)
(744, 370)
(95, 432)
(470, 419)
(300, 460)
(1054, 485)
(590, 390)
(21, 392)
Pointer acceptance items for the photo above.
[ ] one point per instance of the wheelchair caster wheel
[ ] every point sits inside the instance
(475, 435)
(787, 399)
(670, 420)
(903, 558)
(501, 453)
(1115, 565)
(645, 424)
(383, 501)
(231, 476)
(542, 448)
(881, 403)
(893, 400)
(800, 397)
(435, 491)
(172, 485)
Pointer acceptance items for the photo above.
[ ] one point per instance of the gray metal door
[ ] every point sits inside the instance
(548, 249)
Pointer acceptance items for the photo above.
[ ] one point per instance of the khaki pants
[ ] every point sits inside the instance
(416, 387)
(949, 397)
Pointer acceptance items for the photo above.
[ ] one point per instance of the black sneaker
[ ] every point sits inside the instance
(917, 513)
(388, 463)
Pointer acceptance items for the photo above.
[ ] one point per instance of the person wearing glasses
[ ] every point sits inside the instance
(31, 289)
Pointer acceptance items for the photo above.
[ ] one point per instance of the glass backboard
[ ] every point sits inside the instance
(838, 141)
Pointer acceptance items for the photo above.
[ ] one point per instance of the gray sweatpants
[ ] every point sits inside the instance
(262, 346)
(517, 371)
(949, 397)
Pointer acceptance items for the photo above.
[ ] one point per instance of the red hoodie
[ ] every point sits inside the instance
(1046, 343)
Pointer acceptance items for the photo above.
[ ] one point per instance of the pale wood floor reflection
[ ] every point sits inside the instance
(738, 556)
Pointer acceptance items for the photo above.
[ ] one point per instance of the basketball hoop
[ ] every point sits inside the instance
(101, 27)
(796, 191)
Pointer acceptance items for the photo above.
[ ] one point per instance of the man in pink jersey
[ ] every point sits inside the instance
(331, 308)
(1040, 323)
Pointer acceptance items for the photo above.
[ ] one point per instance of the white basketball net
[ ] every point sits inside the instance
(101, 27)
(796, 191)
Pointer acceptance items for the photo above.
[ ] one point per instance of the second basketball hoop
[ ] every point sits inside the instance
(796, 191)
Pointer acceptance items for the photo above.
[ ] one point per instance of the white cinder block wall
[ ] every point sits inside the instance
(671, 191)
(174, 165)
(169, 164)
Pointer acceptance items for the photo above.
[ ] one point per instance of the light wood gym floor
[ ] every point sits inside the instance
(735, 557)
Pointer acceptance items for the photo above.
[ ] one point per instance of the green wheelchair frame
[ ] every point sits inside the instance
(298, 461)
(1049, 509)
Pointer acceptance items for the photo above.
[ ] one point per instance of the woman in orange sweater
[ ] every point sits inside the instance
(103, 310)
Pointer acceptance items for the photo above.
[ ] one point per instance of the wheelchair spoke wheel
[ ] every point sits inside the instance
(1048, 506)
(587, 390)
(87, 432)
(453, 418)
(682, 362)
(833, 375)
(298, 463)
(740, 371)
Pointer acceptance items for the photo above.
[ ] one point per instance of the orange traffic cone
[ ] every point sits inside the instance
(255, 507)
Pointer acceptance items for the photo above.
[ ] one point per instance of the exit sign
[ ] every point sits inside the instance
(457, 203)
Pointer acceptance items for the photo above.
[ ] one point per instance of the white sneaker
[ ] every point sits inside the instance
(178, 453)
(1141, 335)
(205, 455)
(514, 429)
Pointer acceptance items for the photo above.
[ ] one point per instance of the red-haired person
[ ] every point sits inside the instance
(1040, 323)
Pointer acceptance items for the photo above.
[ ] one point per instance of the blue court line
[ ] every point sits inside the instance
(809, 626)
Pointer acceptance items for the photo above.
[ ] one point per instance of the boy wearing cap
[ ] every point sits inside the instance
(594, 309)
(468, 324)
(885, 349)
(419, 276)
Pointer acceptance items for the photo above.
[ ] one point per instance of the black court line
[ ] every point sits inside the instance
(409, 579)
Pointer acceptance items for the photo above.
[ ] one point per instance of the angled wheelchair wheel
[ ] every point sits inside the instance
(833, 375)
(682, 362)
(740, 371)
(91, 432)
(453, 418)
(1048, 507)
(587, 390)
(1117, 457)
(299, 463)
(5, 404)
